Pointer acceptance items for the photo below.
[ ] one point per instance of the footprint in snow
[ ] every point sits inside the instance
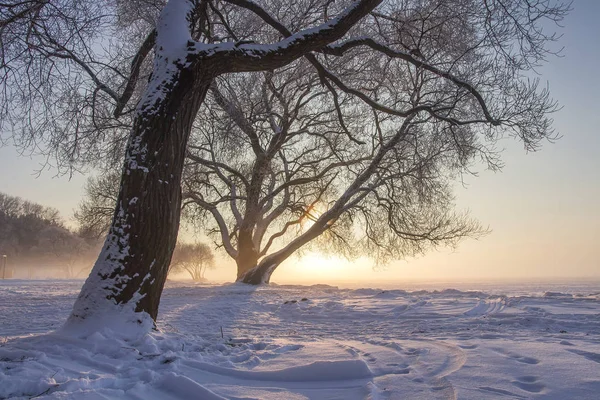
(295, 301)
(566, 343)
(529, 384)
(384, 362)
(524, 359)
(518, 357)
(412, 351)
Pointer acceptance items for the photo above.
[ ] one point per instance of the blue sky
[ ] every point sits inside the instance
(543, 208)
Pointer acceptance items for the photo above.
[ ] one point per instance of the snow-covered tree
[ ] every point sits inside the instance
(73, 77)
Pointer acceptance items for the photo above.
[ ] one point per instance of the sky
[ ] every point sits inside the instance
(543, 208)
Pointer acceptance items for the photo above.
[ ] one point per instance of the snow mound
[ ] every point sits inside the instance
(313, 372)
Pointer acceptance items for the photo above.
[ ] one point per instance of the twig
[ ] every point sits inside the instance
(131, 348)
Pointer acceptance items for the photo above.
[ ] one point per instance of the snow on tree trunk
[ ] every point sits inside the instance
(131, 269)
(132, 266)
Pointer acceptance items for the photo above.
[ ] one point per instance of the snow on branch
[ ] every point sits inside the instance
(171, 51)
(240, 56)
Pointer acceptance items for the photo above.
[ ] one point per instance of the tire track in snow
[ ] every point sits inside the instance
(416, 362)
(435, 376)
(486, 307)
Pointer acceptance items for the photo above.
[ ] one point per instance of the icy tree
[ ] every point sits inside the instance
(67, 87)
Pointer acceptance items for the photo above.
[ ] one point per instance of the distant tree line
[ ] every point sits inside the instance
(35, 235)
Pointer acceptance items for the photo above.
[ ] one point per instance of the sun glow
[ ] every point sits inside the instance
(308, 219)
(314, 267)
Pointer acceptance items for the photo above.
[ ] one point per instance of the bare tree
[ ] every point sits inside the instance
(282, 165)
(95, 212)
(51, 66)
(194, 259)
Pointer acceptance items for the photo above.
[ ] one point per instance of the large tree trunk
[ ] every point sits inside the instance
(260, 273)
(247, 256)
(132, 267)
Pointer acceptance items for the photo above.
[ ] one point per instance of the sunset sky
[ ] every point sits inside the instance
(543, 208)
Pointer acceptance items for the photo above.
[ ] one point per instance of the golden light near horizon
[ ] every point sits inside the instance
(316, 265)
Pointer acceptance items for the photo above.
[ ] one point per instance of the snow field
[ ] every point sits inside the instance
(306, 342)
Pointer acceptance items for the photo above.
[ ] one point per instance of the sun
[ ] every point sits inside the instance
(308, 219)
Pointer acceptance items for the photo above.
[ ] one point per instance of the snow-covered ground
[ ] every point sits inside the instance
(309, 342)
